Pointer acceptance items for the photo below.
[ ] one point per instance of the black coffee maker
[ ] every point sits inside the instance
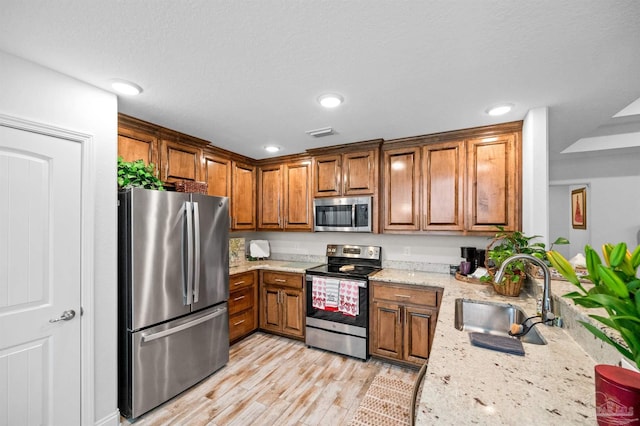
(474, 256)
(468, 264)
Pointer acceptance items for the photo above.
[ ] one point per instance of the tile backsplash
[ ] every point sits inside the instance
(236, 251)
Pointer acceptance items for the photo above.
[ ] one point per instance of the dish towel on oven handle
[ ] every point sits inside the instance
(332, 295)
(349, 302)
(318, 292)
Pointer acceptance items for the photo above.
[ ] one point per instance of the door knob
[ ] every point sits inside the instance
(66, 316)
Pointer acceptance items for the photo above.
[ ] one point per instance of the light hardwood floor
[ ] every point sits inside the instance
(271, 380)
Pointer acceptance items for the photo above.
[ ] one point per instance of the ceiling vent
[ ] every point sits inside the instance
(318, 133)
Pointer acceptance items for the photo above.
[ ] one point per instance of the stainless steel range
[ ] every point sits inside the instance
(338, 299)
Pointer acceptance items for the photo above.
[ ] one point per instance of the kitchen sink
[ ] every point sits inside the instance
(493, 318)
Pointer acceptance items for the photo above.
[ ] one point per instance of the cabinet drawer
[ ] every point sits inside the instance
(240, 300)
(406, 295)
(238, 281)
(241, 323)
(282, 279)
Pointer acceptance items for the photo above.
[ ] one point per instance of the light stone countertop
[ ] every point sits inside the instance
(274, 265)
(552, 384)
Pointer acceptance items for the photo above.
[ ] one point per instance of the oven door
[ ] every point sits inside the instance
(360, 320)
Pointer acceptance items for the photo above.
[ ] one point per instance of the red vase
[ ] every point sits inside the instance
(617, 396)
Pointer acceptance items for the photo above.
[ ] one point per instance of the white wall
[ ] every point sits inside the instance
(32, 92)
(612, 179)
(535, 174)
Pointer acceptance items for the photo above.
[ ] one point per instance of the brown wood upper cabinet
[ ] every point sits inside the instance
(284, 196)
(217, 175)
(401, 189)
(243, 197)
(443, 173)
(180, 161)
(138, 145)
(351, 173)
(457, 182)
(494, 172)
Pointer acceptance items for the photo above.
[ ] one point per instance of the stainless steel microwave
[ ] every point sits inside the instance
(342, 214)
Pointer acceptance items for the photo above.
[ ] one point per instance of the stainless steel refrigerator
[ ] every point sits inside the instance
(173, 286)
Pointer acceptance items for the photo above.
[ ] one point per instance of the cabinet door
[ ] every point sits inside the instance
(269, 197)
(270, 312)
(243, 198)
(297, 196)
(494, 194)
(419, 326)
(293, 312)
(401, 186)
(327, 179)
(136, 145)
(179, 161)
(217, 174)
(443, 171)
(359, 171)
(386, 332)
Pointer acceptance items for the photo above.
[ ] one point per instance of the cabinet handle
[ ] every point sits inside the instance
(238, 323)
(238, 298)
(239, 283)
(280, 280)
(402, 295)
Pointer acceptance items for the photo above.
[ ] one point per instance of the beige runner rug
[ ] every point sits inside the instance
(387, 402)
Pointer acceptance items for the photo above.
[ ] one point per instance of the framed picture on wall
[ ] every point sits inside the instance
(579, 208)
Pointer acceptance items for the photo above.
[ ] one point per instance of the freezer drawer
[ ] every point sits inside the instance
(168, 359)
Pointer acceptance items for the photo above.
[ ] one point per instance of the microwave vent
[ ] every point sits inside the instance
(318, 133)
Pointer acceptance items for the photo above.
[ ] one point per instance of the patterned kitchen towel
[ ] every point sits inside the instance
(332, 294)
(349, 303)
(318, 292)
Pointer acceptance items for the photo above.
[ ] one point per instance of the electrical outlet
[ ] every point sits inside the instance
(407, 251)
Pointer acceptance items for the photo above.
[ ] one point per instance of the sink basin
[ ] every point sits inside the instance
(493, 318)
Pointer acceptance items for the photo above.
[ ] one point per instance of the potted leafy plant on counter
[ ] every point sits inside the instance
(137, 174)
(616, 290)
(506, 244)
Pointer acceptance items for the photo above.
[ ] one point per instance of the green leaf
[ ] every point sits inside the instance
(617, 254)
(560, 241)
(635, 258)
(613, 282)
(593, 260)
(564, 267)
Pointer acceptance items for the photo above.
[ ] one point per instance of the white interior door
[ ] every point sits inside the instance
(40, 222)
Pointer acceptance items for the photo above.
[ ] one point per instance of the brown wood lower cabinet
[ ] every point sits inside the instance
(403, 321)
(243, 304)
(282, 303)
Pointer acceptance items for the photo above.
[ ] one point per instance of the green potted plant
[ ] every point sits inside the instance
(506, 244)
(137, 174)
(616, 291)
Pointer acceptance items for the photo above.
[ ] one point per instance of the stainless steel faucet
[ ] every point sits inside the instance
(547, 313)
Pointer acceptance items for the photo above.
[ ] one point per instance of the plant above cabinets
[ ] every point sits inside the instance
(137, 174)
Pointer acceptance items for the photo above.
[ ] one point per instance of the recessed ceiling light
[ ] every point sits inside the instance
(126, 87)
(272, 148)
(330, 100)
(500, 109)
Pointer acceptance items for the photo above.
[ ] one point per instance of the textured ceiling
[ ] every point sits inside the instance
(244, 74)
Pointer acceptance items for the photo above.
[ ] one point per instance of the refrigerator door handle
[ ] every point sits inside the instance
(150, 337)
(196, 245)
(189, 283)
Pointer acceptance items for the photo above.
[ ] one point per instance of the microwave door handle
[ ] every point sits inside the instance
(353, 215)
(196, 245)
